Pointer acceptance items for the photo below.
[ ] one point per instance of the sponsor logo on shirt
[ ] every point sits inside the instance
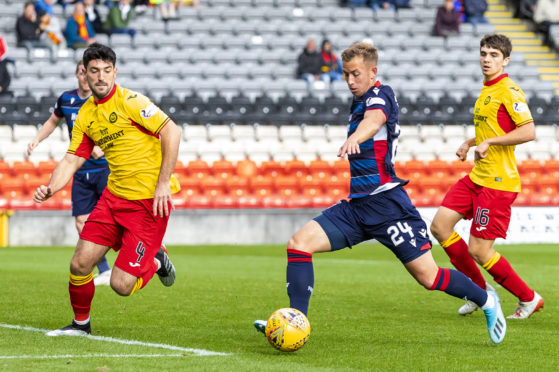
(375, 101)
(519, 107)
(149, 111)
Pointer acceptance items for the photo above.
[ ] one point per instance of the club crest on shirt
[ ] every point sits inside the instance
(519, 107)
(487, 100)
(375, 101)
(149, 111)
(113, 117)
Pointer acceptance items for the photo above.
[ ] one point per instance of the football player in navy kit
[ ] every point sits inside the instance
(378, 207)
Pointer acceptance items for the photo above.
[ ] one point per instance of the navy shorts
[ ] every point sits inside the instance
(388, 217)
(87, 188)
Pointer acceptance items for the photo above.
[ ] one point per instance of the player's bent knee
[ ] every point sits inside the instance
(80, 266)
(121, 288)
(296, 244)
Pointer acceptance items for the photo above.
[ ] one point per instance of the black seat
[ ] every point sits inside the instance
(194, 108)
(240, 109)
(288, 109)
(538, 108)
(172, 106)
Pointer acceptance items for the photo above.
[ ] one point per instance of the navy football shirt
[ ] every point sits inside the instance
(372, 171)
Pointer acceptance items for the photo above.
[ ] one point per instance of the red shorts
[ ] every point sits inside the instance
(128, 226)
(490, 208)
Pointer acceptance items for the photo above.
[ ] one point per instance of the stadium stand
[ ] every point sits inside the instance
(253, 135)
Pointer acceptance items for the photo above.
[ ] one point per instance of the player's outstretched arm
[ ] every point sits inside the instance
(170, 140)
(48, 127)
(368, 127)
(462, 151)
(59, 178)
(522, 134)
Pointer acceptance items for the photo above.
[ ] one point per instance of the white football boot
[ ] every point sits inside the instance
(103, 278)
(525, 309)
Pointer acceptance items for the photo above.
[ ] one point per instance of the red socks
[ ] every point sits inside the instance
(81, 290)
(504, 274)
(457, 251)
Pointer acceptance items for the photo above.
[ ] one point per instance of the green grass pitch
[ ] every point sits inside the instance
(366, 314)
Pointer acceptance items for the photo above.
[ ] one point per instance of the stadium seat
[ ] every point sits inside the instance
(198, 168)
(262, 185)
(246, 168)
(24, 169)
(223, 168)
(237, 186)
(296, 168)
(213, 186)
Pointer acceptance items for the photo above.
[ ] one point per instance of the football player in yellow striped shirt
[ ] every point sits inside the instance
(502, 120)
(141, 144)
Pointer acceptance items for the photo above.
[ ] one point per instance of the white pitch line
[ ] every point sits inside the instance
(200, 352)
(67, 356)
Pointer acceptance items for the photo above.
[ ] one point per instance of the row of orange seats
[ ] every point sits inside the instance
(225, 201)
(247, 168)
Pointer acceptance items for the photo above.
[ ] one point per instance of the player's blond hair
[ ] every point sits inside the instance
(361, 49)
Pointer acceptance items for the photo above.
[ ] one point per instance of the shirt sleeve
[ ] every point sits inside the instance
(58, 108)
(145, 113)
(379, 101)
(515, 104)
(80, 145)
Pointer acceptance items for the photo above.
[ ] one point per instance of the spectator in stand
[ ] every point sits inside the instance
(309, 64)
(5, 78)
(79, 32)
(330, 64)
(168, 10)
(384, 4)
(118, 20)
(4, 73)
(93, 16)
(525, 9)
(28, 29)
(447, 22)
(44, 7)
(52, 30)
(475, 11)
(545, 15)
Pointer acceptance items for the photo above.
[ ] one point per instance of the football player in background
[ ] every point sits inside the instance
(141, 145)
(379, 207)
(502, 120)
(91, 179)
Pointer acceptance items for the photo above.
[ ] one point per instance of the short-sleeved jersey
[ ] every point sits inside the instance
(67, 106)
(125, 125)
(372, 171)
(500, 108)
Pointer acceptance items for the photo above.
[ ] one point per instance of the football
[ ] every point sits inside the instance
(287, 329)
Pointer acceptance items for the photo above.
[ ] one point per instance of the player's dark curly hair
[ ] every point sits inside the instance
(499, 42)
(98, 51)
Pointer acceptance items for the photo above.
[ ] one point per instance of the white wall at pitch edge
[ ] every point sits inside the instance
(527, 225)
(258, 226)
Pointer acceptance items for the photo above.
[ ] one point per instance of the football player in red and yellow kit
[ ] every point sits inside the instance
(141, 144)
(502, 120)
